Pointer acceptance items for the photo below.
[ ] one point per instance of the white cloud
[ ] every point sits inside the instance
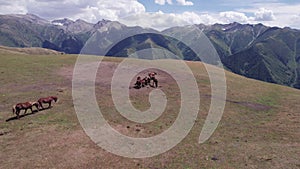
(185, 2)
(232, 16)
(13, 7)
(284, 15)
(295, 21)
(163, 2)
(160, 20)
(264, 15)
(179, 2)
(91, 11)
(119, 8)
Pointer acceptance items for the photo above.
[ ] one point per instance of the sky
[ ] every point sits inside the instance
(162, 14)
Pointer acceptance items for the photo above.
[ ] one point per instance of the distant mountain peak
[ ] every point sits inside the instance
(62, 22)
(30, 17)
(101, 23)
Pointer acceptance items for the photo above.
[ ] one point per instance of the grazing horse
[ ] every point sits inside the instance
(47, 100)
(24, 106)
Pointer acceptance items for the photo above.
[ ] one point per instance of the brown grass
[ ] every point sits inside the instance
(245, 138)
(28, 51)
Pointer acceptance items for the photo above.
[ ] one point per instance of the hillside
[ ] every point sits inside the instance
(269, 54)
(259, 127)
(28, 51)
(265, 53)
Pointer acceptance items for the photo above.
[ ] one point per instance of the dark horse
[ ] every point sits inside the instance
(24, 106)
(47, 100)
(152, 77)
(141, 82)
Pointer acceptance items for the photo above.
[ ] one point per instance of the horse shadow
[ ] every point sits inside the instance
(27, 114)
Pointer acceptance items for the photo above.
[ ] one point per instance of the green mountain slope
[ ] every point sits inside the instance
(273, 57)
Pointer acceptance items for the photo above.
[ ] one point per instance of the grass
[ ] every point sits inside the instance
(53, 138)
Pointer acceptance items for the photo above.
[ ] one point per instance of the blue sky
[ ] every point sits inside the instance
(162, 14)
(198, 6)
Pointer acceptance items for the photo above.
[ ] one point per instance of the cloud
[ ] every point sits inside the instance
(13, 7)
(133, 13)
(160, 20)
(91, 11)
(295, 21)
(179, 2)
(232, 16)
(264, 15)
(185, 2)
(163, 2)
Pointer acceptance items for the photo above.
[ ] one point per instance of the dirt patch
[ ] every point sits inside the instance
(250, 105)
(106, 72)
(253, 106)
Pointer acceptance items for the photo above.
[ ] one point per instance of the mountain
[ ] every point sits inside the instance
(32, 31)
(166, 47)
(257, 51)
(265, 53)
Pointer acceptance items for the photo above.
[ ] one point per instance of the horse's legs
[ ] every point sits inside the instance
(17, 113)
(49, 104)
(41, 105)
(155, 81)
(37, 107)
(25, 110)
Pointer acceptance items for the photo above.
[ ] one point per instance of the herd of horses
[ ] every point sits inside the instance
(48, 100)
(29, 105)
(146, 81)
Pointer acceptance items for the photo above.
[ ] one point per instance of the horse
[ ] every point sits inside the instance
(24, 106)
(141, 82)
(138, 84)
(152, 77)
(146, 81)
(47, 100)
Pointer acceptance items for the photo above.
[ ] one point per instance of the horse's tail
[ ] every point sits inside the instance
(14, 109)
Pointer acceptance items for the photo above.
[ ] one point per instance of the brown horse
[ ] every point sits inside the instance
(24, 106)
(47, 100)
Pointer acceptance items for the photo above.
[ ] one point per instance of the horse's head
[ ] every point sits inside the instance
(54, 98)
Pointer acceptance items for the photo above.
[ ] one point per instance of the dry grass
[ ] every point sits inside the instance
(28, 51)
(246, 137)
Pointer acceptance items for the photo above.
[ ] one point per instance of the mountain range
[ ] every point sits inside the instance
(270, 54)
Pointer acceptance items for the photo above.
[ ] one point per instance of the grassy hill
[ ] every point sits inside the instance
(259, 128)
(28, 51)
(270, 54)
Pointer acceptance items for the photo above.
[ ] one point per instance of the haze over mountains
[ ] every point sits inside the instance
(269, 54)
